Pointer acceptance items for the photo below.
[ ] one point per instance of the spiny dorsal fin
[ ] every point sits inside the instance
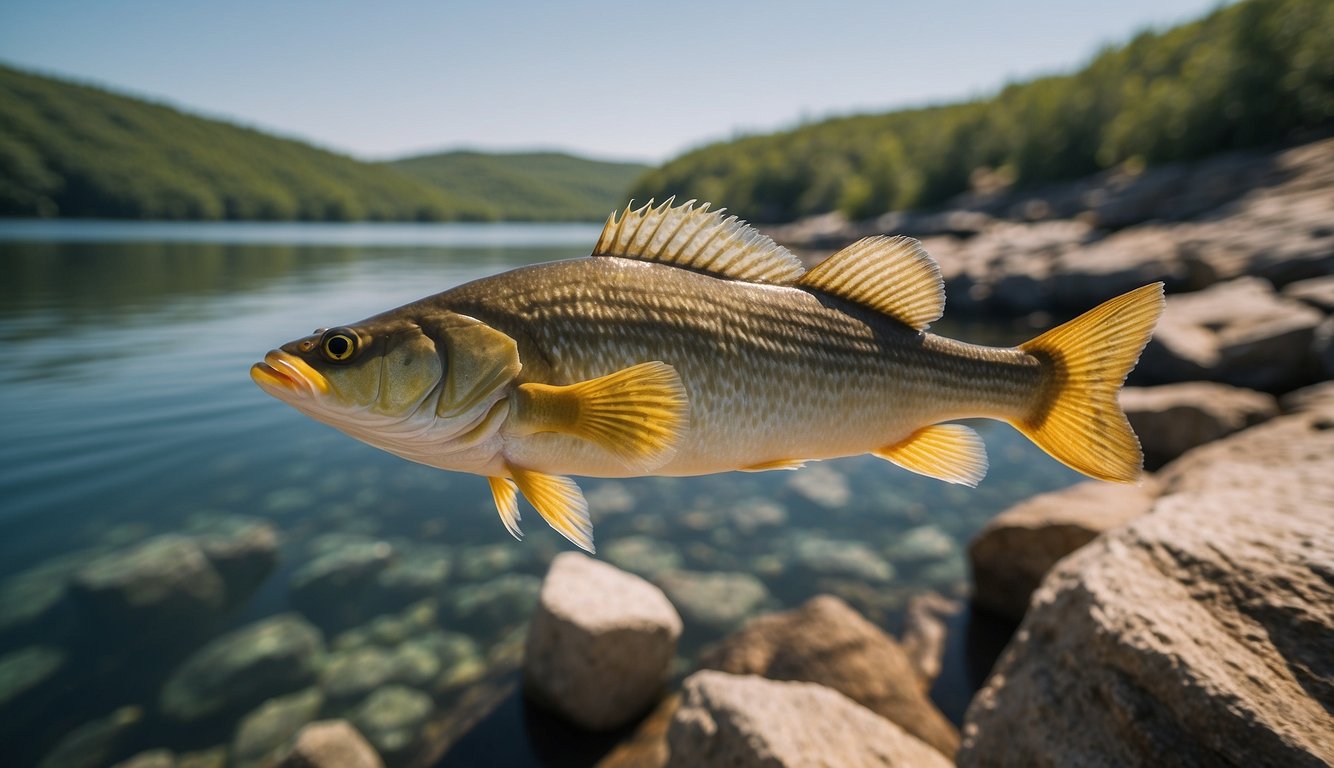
(699, 239)
(950, 452)
(892, 275)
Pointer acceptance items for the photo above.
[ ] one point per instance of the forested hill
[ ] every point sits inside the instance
(76, 151)
(532, 186)
(1254, 73)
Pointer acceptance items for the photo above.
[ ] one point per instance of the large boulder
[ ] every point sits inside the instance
(330, 744)
(1240, 333)
(241, 669)
(1198, 634)
(1015, 550)
(826, 642)
(1174, 418)
(749, 721)
(601, 644)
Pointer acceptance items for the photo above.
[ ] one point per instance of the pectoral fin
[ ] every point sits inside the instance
(507, 504)
(638, 413)
(560, 502)
(950, 452)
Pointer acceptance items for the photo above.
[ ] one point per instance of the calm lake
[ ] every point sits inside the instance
(129, 414)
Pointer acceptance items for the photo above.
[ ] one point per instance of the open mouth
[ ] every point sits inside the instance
(285, 373)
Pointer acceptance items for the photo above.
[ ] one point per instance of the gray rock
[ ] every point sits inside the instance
(153, 758)
(391, 629)
(497, 604)
(23, 673)
(716, 600)
(749, 721)
(924, 633)
(1012, 553)
(330, 744)
(821, 485)
(161, 588)
(417, 575)
(488, 562)
(1239, 333)
(1198, 634)
(601, 643)
(643, 555)
(241, 669)
(269, 727)
(95, 743)
(30, 600)
(244, 551)
(923, 543)
(840, 559)
(826, 642)
(352, 675)
(1085, 277)
(1174, 418)
(337, 588)
(392, 719)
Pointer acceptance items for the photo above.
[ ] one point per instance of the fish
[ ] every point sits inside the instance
(689, 343)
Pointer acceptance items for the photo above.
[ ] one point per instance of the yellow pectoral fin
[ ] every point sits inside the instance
(507, 504)
(638, 413)
(559, 501)
(950, 452)
(779, 464)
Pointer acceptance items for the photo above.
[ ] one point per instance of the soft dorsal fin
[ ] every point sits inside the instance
(699, 239)
(892, 275)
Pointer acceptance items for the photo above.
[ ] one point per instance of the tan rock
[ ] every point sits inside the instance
(1015, 550)
(1174, 418)
(1198, 634)
(924, 633)
(825, 641)
(749, 721)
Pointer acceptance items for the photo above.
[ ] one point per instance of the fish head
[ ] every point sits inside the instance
(420, 387)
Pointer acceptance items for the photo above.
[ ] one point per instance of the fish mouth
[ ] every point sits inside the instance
(284, 374)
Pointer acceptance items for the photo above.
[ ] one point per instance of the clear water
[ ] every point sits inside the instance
(128, 412)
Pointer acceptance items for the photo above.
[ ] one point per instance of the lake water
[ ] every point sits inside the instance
(129, 414)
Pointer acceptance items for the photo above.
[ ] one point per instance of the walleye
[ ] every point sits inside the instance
(688, 343)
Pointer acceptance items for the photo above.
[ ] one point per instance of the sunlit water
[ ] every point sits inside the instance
(128, 412)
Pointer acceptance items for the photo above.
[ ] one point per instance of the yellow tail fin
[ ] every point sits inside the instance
(1077, 418)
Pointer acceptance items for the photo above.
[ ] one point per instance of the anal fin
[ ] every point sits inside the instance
(507, 504)
(639, 413)
(778, 464)
(560, 502)
(950, 452)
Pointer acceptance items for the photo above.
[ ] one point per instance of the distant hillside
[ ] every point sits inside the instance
(529, 186)
(1253, 73)
(76, 151)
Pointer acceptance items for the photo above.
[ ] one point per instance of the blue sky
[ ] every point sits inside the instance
(610, 79)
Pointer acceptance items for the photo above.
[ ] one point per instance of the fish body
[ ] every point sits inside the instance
(690, 344)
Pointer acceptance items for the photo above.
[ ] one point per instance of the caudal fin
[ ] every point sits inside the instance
(1077, 418)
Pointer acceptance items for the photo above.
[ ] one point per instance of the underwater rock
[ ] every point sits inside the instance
(336, 589)
(601, 642)
(1012, 553)
(153, 758)
(643, 555)
(822, 485)
(330, 744)
(609, 498)
(1199, 631)
(488, 562)
(32, 602)
(416, 575)
(1174, 418)
(495, 604)
(924, 633)
(839, 559)
(96, 743)
(241, 669)
(826, 642)
(646, 746)
(750, 515)
(461, 661)
(243, 550)
(159, 589)
(391, 628)
(718, 600)
(23, 673)
(749, 721)
(1240, 333)
(921, 544)
(352, 675)
(269, 727)
(392, 719)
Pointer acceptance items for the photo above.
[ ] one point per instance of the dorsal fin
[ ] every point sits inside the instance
(892, 275)
(699, 239)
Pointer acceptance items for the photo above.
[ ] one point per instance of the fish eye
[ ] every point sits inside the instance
(338, 345)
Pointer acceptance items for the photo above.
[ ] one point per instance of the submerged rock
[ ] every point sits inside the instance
(822, 485)
(1198, 633)
(749, 721)
(497, 604)
(265, 730)
(243, 668)
(1012, 553)
(335, 589)
(601, 643)
(1174, 418)
(717, 600)
(160, 588)
(392, 720)
(95, 743)
(840, 559)
(243, 550)
(330, 744)
(826, 642)
(643, 555)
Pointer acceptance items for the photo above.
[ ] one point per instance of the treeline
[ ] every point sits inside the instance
(76, 151)
(1250, 74)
